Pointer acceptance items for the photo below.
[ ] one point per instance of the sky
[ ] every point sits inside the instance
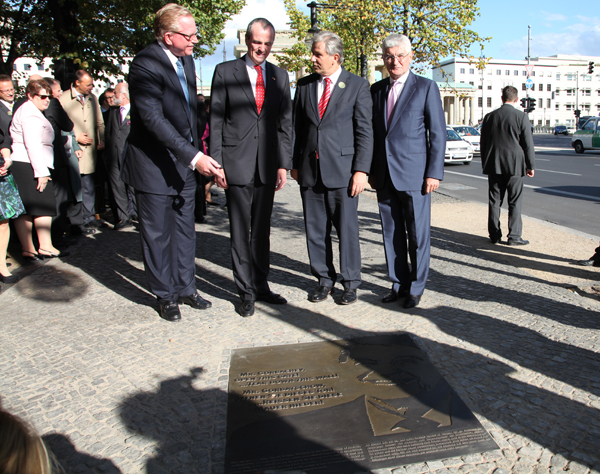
(557, 27)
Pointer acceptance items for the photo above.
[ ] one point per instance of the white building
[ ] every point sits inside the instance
(561, 85)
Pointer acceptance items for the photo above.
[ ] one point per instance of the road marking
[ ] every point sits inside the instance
(546, 190)
(558, 172)
(541, 159)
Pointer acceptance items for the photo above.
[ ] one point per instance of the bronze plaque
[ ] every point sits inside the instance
(343, 407)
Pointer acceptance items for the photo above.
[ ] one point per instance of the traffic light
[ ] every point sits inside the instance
(524, 102)
(531, 107)
(577, 113)
(590, 67)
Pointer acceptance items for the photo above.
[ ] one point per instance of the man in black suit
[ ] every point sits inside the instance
(118, 124)
(332, 156)
(408, 164)
(507, 154)
(7, 97)
(250, 134)
(162, 153)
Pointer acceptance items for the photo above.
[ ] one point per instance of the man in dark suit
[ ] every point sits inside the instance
(250, 134)
(7, 97)
(162, 152)
(118, 124)
(332, 156)
(408, 164)
(507, 154)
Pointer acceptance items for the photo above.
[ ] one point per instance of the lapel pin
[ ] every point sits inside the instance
(342, 85)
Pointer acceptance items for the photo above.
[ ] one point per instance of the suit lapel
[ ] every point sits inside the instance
(241, 75)
(313, 90)
(410, 86)
(336, 93)
(173, 77)
(270, 85)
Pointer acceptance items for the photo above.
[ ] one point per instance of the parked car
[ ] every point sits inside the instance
(469, 134)
(561, 130)
(588, 138)
(457, 150)
(571, 129)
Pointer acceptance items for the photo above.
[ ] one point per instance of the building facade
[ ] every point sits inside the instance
(560, 84)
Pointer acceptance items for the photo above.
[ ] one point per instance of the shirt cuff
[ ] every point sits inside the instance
(195, 160)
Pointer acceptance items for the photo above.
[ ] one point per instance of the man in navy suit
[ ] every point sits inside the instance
(251, 136)
(162, 153)
(332, 156)
(408, 164)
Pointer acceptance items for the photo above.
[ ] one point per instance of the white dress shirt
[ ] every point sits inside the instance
(321, 83)
(253, 73)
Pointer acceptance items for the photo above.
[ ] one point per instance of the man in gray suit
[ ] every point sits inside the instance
(507, 154)
(332, 156)
(118, 124)
(251, 136)
(408, 165)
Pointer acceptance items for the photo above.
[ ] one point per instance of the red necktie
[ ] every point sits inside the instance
(260, 89)
(324, 98)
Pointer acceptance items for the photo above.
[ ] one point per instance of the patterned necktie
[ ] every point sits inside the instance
(260, 89)
(391, 100)
(183, 82)
(325, 98)
(123, 114)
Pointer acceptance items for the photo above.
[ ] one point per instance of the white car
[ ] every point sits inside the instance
(469, 134)
(457, 150)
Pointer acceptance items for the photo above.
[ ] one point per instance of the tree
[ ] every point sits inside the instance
(436, 28)
(98, 35)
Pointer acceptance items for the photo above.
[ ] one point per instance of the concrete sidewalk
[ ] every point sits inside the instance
(113, 388)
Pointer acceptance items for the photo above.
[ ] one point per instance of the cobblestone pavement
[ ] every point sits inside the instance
(113, 388)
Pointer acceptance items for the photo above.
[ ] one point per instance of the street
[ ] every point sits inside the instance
(565, 189)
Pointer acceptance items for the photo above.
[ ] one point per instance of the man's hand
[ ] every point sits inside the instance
(84, 139)
(358, 183)
(79, 154)
(281, 178)
(431, 184)
(294, 174)
(530, 173)
(100, 145)
(207, 166)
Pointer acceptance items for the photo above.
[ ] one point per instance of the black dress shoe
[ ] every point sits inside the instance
(272, 298)
(9, 279)
(195, 301)
(246, 308)
(349, 296)
(394, 296)
(123, 224)
(169, 310)
(518, 241)
(585, 263)
(495, 240)
(320, 294)
(412, 301)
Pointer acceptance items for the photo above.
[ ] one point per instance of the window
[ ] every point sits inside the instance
(515, 73)
(489, 87)
(569, 107)
(586, 77)
(571, 77)
(549, 87)
(524, 73)
(14, 67)
(40, 67)
(547, 123)
(462, 70)
(480, 87)
(471, 71)
(489, 72)
(585, 107)
(540, 87)
(523, 87)
(548, 103)
(557, 76)
(539, 121)
(26, 67)
(507, 73)
(498, 72)
(586, 92)
(489, 101)
(480, 102)
(570, 92)
(556, 106)
(472, 83)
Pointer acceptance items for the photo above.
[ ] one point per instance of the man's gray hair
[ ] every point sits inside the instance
(396, 40)
(263, 22)
(333, 43)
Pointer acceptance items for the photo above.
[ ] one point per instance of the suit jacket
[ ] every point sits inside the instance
(116, 133)
(343, 138)
(60, 121)
(507, 142)
(5, 118)
(163, 139)
(412, 146)
(87, 118)
(240, 139)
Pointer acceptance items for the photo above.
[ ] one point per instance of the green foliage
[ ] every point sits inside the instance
(98, 35)
(436, 28)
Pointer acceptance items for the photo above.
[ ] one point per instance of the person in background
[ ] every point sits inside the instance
(33, 158)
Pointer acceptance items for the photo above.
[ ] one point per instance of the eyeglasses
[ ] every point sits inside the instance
(44, 96)
(6, 91)
(188, 38)
(388, 58)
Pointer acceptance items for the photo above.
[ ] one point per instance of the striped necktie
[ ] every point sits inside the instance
(325, 98)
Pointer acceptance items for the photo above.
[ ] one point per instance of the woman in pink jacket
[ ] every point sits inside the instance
(33, 158)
